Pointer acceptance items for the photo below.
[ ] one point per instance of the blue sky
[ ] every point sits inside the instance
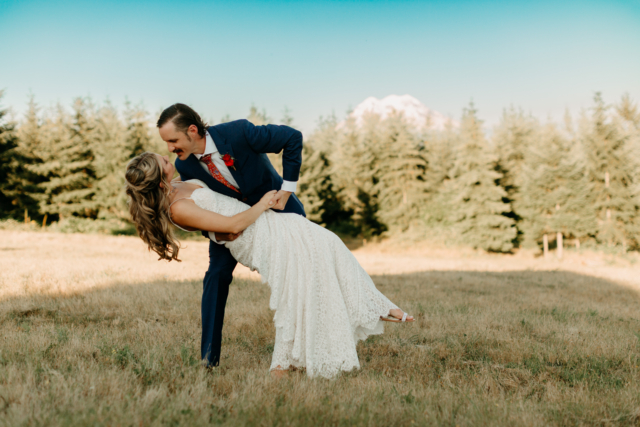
(319, 57)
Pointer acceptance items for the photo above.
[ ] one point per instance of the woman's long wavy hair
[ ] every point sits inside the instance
(149, 205)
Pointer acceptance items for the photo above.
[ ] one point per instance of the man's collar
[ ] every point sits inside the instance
(209, 148)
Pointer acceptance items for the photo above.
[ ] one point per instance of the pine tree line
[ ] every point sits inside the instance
(528, 184)
(62, 164)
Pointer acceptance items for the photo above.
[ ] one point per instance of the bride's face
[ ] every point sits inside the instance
(167, 167)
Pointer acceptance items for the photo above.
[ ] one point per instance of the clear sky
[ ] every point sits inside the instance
(319, 57)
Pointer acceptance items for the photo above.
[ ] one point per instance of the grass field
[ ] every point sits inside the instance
(95, 331)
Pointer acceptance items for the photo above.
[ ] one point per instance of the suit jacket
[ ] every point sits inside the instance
(254, 173)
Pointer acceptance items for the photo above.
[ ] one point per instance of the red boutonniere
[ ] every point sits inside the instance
(228, 161)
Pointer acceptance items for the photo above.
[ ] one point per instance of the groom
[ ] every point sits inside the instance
(230, 158)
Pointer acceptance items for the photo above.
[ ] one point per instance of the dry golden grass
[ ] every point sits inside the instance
(95, 331)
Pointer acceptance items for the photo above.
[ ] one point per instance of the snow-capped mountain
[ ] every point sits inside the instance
(415, 112)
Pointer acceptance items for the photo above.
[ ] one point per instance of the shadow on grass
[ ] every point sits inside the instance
(558, 347)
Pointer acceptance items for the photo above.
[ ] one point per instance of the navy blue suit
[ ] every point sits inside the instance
(255, 176)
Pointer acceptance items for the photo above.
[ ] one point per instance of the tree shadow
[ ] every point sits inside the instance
(487, 291)
(518, 288)
(542, 339)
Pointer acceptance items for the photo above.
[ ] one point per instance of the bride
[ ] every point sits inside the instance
(323, 299)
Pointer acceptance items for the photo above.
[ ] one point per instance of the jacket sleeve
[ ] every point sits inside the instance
(276, 138)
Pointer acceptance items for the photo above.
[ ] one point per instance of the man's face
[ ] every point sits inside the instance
(178, 142)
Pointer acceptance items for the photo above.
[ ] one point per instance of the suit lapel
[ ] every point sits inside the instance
(225, 148)
(198, 172)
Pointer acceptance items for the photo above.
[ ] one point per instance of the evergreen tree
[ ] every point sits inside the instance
(27, 154)
(402, 166)
(628, 121)
(628, 111)
(568, 123)
(117, 141)
(54, 127)
(612, 170)
(440, 147)
(138, 135)
(555, 195)
(30, 131)
(112, 150)
(314, 182)
(477, 206)
(354, 172)
(18, 150)
(513, 135)
(315, 187)
(8, 144)
(440, 151)
(68, 164)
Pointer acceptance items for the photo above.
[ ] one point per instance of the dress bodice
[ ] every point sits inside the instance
(212, 201)
(248, 244)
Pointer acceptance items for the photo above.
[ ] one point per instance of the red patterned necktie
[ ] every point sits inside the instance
(215, 173)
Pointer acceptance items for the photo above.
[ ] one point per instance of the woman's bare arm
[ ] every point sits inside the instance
(188, 214)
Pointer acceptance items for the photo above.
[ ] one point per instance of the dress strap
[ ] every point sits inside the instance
(171, 219)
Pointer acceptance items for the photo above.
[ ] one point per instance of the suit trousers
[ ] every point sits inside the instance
(214, 299)
(216, 290)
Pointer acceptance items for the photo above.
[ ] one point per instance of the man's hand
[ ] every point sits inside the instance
(227, 237)
(280, 199)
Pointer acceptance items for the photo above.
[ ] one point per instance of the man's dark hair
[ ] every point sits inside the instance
(182, 117)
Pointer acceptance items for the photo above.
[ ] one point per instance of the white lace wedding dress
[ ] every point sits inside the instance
(324, 300)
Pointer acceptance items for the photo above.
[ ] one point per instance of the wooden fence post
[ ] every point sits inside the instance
(559, 245)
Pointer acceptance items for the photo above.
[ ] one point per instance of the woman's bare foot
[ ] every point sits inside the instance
(395, 314)
(278, 372)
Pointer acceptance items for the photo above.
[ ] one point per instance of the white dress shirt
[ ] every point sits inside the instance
(210, 148)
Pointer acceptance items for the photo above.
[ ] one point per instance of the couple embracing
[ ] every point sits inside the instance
(324, 301)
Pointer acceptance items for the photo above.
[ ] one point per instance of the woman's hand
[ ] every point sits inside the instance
(267, 200)
(280, 200)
